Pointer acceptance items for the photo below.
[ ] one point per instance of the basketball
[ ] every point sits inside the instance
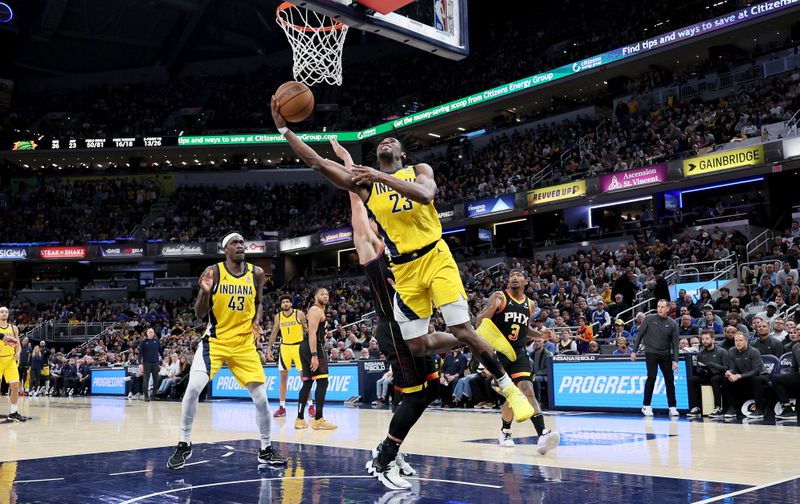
(296, 101)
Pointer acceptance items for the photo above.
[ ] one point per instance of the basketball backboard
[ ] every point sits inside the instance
(436, 26)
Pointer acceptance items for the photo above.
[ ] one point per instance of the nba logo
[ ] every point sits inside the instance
(440, 15)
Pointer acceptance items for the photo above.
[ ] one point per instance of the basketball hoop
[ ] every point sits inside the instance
(317, 41)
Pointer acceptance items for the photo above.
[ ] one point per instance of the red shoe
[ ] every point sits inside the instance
(312, 411)
(280, 412)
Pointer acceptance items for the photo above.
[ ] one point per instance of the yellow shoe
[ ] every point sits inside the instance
(518, 403)
(300, 424)
(322, 424)
(488, 331)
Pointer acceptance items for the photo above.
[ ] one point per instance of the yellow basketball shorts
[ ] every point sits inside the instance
(8, 369)
(433, 277)
(238, 352)
(289, 354)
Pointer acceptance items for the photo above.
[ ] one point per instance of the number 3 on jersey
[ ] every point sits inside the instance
(395, 199)
(236, 303)
(514, 332)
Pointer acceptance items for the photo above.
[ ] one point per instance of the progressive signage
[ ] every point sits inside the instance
(552, 194)
(725, 160)
(633, 178)
(589, 382)
(181, 249)
(490, 206)
(342, 383)
(75, 252)
(108, 381)
(336, 236)
(122, 251)
(13, 253)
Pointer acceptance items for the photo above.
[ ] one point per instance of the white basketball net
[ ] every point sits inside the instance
(317, 42)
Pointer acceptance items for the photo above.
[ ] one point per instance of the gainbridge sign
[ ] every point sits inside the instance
(725, 160)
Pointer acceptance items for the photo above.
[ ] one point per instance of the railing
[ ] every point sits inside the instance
(726, 274)
(791, 124)
(491, 269)
(632, 311)
(756, 269)
(541, 177)
(35, 333)
(761, 240)
(65, 332)
(720, 218)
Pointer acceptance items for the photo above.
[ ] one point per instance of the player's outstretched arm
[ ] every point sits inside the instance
(336, 173)
(273, 335)
(422, 190)
(494, 303)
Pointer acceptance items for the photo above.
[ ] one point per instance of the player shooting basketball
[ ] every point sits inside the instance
(400, 201)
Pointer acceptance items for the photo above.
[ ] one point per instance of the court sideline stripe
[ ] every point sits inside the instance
(38, 480)
(131, 472)
(746, 490)
(332, 476)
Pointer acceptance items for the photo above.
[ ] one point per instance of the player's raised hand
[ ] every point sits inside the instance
(365, 175)
(206, 281)
(496, 299)
(341, 152)
(280, 122)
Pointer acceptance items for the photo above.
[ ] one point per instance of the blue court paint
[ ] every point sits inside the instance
(323, 474)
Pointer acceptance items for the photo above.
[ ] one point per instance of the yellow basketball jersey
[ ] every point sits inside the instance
(291, 328)
(405, 225)
(5, 349)
(233, 303)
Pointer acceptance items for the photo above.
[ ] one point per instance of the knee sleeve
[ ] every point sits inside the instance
(259, 394)
(197, 382)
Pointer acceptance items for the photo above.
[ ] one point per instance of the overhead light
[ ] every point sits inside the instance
(434, 135)
(183, 163)
(461, 129)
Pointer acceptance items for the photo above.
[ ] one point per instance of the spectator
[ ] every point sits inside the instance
(594, 347)
(786, 273)
(619, 331)
(540, 363)
(584, 335)
(69, 378)
(709, 321)
(602, 318)
(723, 302)
(565, 344)
(778, 330)
(455, 363)
(622, 347)
(383, 386)
(686, 328)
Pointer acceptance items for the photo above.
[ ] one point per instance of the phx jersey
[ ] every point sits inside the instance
(512, 319)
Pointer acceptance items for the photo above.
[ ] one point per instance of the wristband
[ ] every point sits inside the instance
(283, 130)
(313, 354)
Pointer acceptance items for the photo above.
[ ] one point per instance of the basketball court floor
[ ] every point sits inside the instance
(111, 450)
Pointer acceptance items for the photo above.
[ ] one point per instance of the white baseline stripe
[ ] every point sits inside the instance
(332, 476)
(456, 482)
(196, 463)
(131, 472)
(38, 481)
(746, 490)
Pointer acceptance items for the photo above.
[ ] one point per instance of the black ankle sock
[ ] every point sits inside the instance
(538, 423)
(388, 451)
(506, 425)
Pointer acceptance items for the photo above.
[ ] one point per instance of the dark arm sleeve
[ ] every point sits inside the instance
(731, 361)
(640, 335)
(758, 367)
(675, 338)
(720, 367)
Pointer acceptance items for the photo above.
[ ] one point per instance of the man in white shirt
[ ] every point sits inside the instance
(787, 272)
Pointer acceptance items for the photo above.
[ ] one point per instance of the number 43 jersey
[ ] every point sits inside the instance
(512, 319)
(233, 303)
